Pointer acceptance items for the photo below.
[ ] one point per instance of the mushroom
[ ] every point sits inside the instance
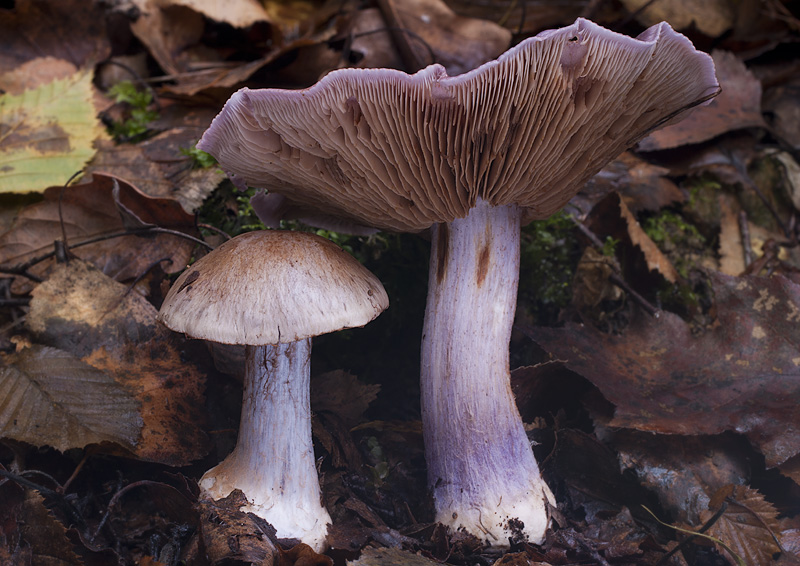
(471, 157)
(273, 291)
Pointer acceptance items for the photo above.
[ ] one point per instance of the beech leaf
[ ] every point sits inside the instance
(49, 397)
(47, 133)
(748, 525)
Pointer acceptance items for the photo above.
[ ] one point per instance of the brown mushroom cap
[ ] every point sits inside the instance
(272, 287)
(403, 152)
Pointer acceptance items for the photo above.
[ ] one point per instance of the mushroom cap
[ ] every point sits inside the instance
(403, 152)
(272, 287)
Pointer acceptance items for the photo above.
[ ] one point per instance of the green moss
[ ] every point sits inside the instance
(681, 241)
(136, 125)
(549, 255)
(200, 159)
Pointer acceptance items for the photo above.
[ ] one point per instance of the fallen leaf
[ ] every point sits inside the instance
(89, 212)
(341, 393)
(38, 28)
(526, 18)
(85, 312)
(231, 536)
(741, 375)
(35, 73)
(747, 526)
(642, 185)
(436, 34)
(49, 397)
(712, 17)
(45, 535)
(684, 472)
(611, 218)
(47, 133)
(737, 107)
(372, 556)
(731, 248)
(241, 13)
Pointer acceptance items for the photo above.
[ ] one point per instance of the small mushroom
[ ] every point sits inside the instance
(471, 157)
(273, 291)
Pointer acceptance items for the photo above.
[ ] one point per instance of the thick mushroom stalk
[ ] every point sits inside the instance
(482, 483)
(273, 462)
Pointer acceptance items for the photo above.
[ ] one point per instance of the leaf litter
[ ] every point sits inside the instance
(671, 373)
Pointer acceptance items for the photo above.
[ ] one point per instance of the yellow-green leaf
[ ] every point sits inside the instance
(46, 133)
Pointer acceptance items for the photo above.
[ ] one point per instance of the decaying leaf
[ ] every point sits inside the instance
(38, 28)
(89, 211)
(611, 218)
(343, 394)
(46, 134)
(242, 13)
(713, 18)
(46, 536)
(81, 310)
(749, 525)
(737, 107)
(436, 34)
(372, 556)
(49, 397)
(742, 375)
(231, 536)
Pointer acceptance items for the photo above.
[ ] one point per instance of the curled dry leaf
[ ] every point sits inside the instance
(89, 211)
(737, 107)
(49, 397)
(742, 375)
(83, 311)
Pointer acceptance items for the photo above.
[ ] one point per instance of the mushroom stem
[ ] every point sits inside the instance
(481, 469)
(273, 462)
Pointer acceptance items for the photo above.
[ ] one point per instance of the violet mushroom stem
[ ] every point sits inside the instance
(275, 428)
(466, 388)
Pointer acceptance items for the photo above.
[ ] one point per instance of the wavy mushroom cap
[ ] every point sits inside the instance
(272, 287)
(403, 152)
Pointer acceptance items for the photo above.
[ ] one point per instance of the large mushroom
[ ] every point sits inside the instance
(472, 157)
(273, 291)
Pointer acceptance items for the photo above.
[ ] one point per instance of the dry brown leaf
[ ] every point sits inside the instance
(611, 218)
(656, 260)
(89, 211)
(712, 17)
(741, 375)
(38, 28)
(737, 107)
(522, 17)
(748, 525)
(238, 13)
(372, 556)
(45, 535)
(81, 310)
(642, 185)
(341, 393)
(731, 249)
(231, 536)
(459, 44)
(50, 397)
(158, 166)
